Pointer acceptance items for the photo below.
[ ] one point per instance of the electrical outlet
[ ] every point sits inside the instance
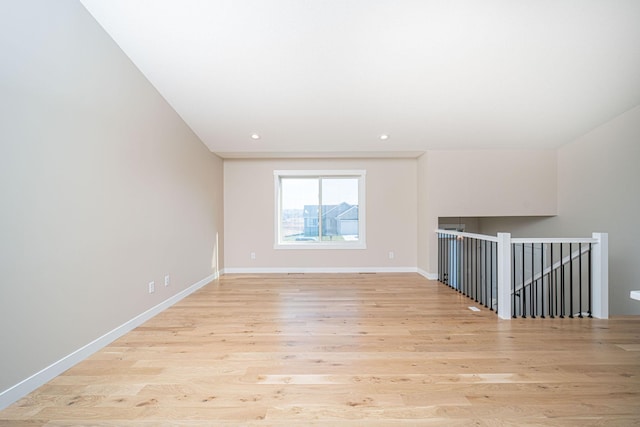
(152, 287)
(253, 255)
(167, 280)
(391, 255)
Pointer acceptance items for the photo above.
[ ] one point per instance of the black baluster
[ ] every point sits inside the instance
(523, 293)
(474, 272)
(491, 276)
(496, 270)
(483, 274)
(459, 243)
(440, 267)
(562, 308)
(469, 266)
(478, 270)
(513, 280)
(466, 266)
(441, 258)
(452, 259)
(486, 272)
(580, 278)
(542, 279)
(532, 302)
(571, 280)
(590, 281)
(446, 260)
(552, 272)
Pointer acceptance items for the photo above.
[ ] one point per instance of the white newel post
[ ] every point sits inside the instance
(504, 275)
(600, 270)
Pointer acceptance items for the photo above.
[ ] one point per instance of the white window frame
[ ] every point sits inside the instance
(359, 174)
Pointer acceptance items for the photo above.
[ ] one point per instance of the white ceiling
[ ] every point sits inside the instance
(327, 77)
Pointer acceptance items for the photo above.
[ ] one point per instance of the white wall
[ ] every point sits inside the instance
(482, 183)
(391, 215)
(425, 218)
(598, 179)
(103, 189)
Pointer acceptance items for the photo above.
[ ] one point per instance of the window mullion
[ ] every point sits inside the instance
(320, 209)
(279, 204)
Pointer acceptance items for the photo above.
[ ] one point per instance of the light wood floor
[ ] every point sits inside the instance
(349, 349)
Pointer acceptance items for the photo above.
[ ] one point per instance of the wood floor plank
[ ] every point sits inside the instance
(347, 350)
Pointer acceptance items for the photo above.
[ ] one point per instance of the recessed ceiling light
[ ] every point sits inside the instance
(384, 137)
(255, 136)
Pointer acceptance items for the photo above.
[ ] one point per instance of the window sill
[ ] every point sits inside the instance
(317, 245)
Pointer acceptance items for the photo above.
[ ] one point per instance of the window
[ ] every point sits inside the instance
(320, 209)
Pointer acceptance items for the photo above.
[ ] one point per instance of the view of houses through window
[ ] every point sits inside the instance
(321, 209)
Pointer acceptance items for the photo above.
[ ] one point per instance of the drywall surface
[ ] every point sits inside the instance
(426, 225)
(104, 188)
(598, 178)
(391, 212)
(482, 183)
(492, 182)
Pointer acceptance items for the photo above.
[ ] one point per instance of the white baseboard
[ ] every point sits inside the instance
(288, 270)
(16, 392)
(430, 276)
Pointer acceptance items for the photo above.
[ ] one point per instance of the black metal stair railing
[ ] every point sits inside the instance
(551, 280)
(469, 264)
(535, 278)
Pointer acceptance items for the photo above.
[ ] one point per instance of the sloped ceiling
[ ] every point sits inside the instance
(329, 77)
